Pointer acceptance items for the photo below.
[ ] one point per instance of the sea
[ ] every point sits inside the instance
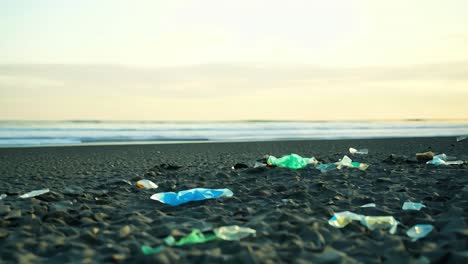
(96, 132)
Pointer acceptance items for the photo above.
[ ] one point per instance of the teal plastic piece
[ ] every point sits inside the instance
(419, 231)
(412, 206)
(326, 167)
(147, 250)
(292, 161)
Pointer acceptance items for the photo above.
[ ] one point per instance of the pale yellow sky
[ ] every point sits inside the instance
(232, 60)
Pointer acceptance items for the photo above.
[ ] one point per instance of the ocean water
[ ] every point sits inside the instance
(43, 133)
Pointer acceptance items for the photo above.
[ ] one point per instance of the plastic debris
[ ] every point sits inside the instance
(425, 156)
(259, 165)
(368, 205)
(3, 196)
(34, 193)
(195, 237)
(347, 162)
(443, 159)
(233, 232)
(363, 151)
(340, 220)
(146, 184)
(412, 206)
(419, 231)
(380, 222)
(326, 167)
(186, 196)
(461, 138)
(147, 250)
(230, 233)
(292, 161)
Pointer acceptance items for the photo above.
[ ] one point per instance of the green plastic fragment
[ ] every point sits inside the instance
(195, 237)
(292, 161)
(147, 250)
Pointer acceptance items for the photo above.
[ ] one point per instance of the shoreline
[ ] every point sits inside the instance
(207, 141)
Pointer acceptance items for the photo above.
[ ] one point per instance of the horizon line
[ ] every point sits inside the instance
(238, 120)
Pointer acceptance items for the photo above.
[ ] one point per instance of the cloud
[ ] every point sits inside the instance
(221, 80)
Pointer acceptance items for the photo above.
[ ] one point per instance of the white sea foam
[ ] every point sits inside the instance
(23, 133)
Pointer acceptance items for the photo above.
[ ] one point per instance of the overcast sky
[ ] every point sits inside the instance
(231, 60)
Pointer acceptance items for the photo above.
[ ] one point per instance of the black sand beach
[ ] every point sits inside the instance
(95, 214)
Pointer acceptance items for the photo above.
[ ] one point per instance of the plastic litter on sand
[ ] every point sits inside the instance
(292, 161)
(186, 196)
(340, 220)
(363, 151)
(443, 159)
(146, 184)
(368, 205)
(229, 233)
(34, 193)
(419, 231)
(380, 222)
(233, 232)
(412, 206)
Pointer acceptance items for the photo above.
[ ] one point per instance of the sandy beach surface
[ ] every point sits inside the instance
(94, 213)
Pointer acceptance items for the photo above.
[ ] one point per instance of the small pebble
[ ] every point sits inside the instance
(124, 231)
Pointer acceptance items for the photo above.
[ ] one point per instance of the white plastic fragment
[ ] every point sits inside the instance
(234, 233)
(380, 222)
(3, 196)
(259, 165)
(363, 151)
(368, 205)
(146, 184)
(34, 193)
(443, 159)
(342, 219)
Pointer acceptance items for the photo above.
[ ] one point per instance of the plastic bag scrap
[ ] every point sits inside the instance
(419, 231)
(363, 151)
(186, 196)
(347, 162)
(412, 206)
(146, 184)
(34, 193)
(369, 205)
(292, 161)
(342, 219)
(230, 233)
(344, 162)
(443, 159)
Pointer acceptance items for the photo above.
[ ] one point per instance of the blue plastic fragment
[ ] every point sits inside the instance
(186, 196)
